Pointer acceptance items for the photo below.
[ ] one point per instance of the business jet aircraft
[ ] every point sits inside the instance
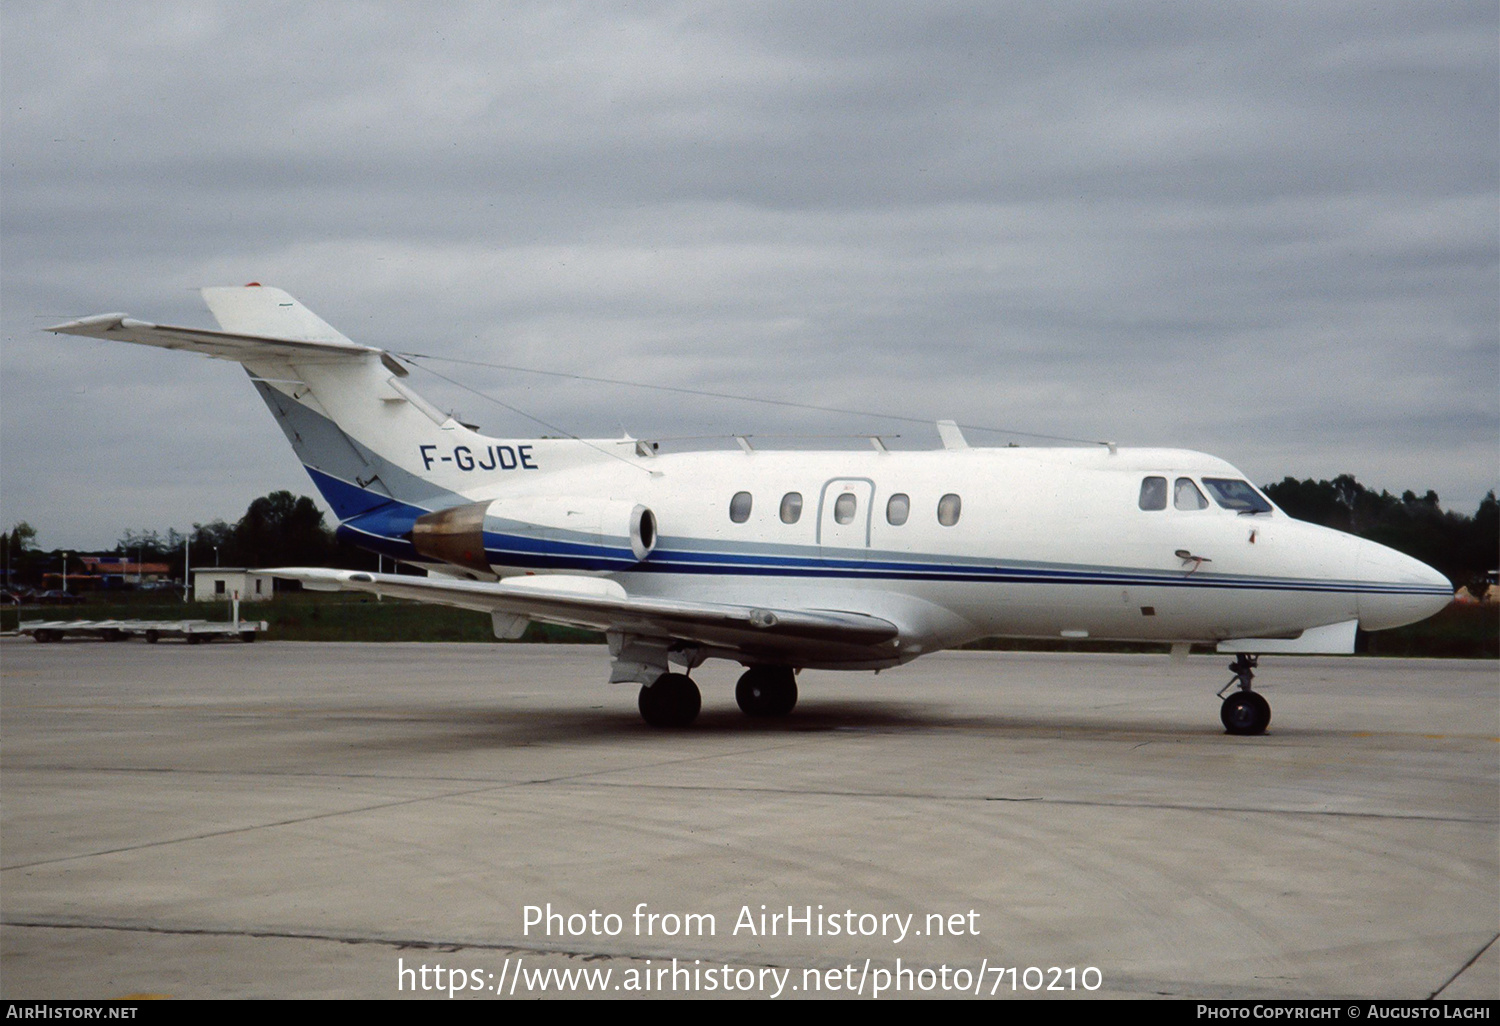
(851, 560)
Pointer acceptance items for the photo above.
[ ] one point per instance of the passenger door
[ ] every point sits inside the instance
(844, 517)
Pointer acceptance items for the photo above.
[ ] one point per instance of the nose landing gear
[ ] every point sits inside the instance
(1244, 711)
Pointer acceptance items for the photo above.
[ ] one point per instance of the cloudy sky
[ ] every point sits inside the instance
(1267, 231)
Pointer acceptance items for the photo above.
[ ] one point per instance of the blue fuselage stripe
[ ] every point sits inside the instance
(546, 554)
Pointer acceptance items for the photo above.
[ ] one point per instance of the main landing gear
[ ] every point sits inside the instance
(672, 700)
(767, 691)
(1245, 711)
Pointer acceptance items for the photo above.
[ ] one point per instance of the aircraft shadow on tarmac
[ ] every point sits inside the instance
(516, 727)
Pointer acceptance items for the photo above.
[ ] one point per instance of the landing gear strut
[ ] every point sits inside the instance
(1244, 711)
(767, 691)
(672, 700)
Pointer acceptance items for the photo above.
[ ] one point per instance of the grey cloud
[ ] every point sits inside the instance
(1262, 230)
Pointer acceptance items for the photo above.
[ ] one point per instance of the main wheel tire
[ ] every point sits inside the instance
(153, 636)
(767, 691)
(672, 700)
(1245, 712)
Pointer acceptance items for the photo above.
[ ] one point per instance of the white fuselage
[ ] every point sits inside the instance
(1046, 543)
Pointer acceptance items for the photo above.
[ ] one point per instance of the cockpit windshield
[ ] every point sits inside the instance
(1239, 496)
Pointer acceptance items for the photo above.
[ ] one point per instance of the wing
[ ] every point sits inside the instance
(601, 604)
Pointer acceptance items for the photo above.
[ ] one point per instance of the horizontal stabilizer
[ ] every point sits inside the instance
(220, 344)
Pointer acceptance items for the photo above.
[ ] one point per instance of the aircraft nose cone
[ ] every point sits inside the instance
(1397, 589)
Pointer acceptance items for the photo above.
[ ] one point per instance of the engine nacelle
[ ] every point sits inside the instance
(581, 526)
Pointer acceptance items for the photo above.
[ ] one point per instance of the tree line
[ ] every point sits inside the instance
(280, 529)
(1466, 549)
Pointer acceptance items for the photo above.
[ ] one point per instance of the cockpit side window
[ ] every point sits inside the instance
(1239, 496)
(1185, 495)
(1154, 493)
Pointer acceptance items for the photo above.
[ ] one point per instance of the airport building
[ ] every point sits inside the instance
(224, 582)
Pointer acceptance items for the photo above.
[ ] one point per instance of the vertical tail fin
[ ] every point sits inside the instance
(348, 417)
(267, 312)
(376, 450)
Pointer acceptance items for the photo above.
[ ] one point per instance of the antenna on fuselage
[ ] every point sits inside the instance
(952, 435)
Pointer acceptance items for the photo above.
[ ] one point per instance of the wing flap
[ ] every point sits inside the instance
(603, 605)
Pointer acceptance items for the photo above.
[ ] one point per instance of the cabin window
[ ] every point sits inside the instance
(1185, 495)
(739, 507)
(897, 509)
(844, 507)
(791, 507)
(1239, 496)
(219, 588)
(949, 508)
(1154, 493)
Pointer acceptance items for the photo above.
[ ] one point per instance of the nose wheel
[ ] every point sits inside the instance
(672, 700)
(1244, 711)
